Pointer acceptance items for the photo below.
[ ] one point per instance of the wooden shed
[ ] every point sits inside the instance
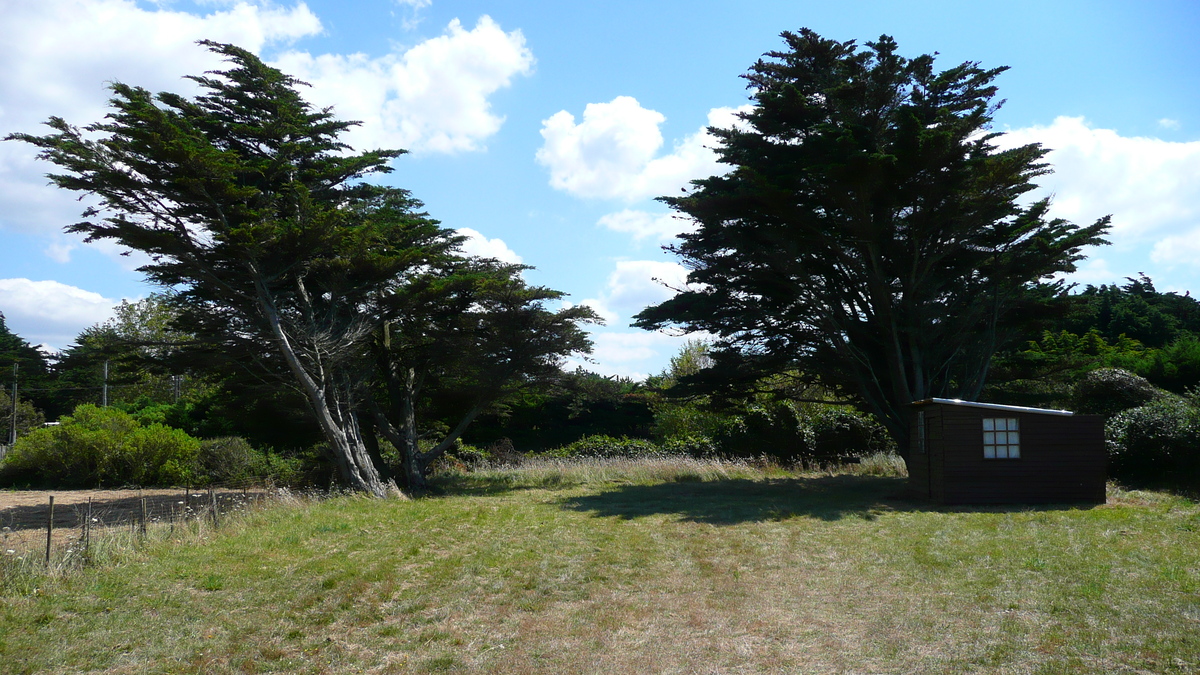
(963, 452)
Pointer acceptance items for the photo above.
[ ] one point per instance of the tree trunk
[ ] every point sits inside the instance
(415, 464)
(336, 416)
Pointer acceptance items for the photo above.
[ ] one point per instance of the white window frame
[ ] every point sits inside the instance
(1001, 438)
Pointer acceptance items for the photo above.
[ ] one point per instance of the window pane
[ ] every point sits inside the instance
(989, 451)
(1012, 424)
(989, 424)
(989, 437)
(1014, 437)
(1014, 451)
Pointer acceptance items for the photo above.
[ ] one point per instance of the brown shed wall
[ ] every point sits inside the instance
(1062, 459)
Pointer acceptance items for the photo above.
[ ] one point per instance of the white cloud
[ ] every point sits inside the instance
(432, 97)
(636, 284)
(611, 153)
(1096, 272)
(60, 249)
(635, 355)
(479, 245)
(49, 312)
(645, 225)
(1168, 123)
(58, 55)
(1179, 249)
(1150, 186)
(632, 286)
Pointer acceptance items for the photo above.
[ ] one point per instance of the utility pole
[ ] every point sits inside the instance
(12, 434)
(104, 396)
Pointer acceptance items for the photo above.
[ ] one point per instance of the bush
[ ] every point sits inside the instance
(1156, 444)
(1108, 391)
(231, 459)
(607, 446)
(773, 430)
(810, 434)
(840, 432)
(699, 447)
(103, 447)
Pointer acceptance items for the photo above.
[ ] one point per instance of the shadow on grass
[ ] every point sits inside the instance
(733, 501)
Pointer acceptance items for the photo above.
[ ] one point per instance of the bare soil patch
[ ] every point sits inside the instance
(24, 513)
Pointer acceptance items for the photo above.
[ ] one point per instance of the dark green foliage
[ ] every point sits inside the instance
(579, 404)
(33, 372)
(108, 447)
(467, 337)
(1108, 391)
(870, 236)
(694, 446)
(231, 460)
(812, 434)
(1133, 327)
(29, 418)
(772, 429)
(1135, 310)
(607, 447)
(96, 447)
(287, 268)
(1174, 367)
(840, 432)
(253, 211)
(1157, 444)
(144, 355)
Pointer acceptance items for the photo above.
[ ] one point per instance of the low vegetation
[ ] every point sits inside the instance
(630, 566)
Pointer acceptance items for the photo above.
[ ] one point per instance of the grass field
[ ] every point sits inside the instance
(634, 567)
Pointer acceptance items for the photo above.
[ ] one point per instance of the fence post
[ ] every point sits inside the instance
(87, 530)
(143, 516)
(49, 529)
(212, 497)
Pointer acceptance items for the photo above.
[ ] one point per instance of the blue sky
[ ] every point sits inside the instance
(546, 129)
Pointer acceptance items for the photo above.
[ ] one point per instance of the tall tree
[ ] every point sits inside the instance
(870, 233)
(252, 209)
(463, 340)
(32, 373)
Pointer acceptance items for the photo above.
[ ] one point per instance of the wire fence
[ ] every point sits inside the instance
(59, 528)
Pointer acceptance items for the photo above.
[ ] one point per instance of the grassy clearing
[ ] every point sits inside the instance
(634, 567)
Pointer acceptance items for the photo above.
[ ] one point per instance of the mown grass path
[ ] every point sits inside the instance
(684, 572)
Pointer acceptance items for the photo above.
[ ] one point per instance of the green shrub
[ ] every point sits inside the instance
(773, 430)
(840, 432)
(1156, 444)
(607, 446)
(694, 446)
(1108, 391)
(103, 447)
(231, 459)
(227, 459)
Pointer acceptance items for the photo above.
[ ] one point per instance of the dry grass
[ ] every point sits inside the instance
(635, 567)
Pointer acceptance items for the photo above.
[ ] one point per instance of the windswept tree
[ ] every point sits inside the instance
(870, 234)
(256, 215)
(460, 342)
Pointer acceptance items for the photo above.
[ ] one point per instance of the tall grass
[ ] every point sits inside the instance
(24, 563)
(624, 566)
(558, 472)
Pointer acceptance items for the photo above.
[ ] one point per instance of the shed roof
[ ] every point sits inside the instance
(992, 406)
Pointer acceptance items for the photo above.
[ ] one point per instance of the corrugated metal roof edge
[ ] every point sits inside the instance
(992, 406)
